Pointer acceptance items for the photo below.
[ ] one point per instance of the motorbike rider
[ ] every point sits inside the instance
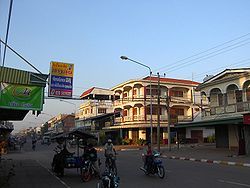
(91, 153)
(148, 156)
(110, 152)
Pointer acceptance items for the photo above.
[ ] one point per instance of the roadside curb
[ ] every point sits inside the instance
(229, 163)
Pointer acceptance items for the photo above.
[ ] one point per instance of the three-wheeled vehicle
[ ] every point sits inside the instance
(65, 159)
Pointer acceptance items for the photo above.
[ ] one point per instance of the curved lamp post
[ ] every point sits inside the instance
(150, 92)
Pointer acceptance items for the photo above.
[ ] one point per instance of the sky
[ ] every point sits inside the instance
(94, 34)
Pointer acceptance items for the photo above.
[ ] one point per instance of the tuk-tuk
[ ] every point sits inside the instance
(65, 159)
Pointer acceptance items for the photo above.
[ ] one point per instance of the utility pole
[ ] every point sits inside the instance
(158, 113)
(169, 119)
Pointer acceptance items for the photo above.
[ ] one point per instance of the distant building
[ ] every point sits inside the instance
(98, 105)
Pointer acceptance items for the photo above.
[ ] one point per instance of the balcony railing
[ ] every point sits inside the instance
(227, 109)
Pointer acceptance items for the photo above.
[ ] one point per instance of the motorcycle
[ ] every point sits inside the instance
(110, 163)
(88, 171)
(154, 166)
(109, 180)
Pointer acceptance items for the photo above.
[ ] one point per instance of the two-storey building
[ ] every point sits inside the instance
(228, 98)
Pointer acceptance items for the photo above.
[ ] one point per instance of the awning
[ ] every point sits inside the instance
(212, 122)
(16, 76)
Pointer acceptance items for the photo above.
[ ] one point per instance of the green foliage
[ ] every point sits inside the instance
(126, 141)
(140, 142)
(211, 139)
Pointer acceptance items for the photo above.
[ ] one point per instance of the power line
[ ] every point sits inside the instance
(202, 52)
(203, 58)
(242, 62)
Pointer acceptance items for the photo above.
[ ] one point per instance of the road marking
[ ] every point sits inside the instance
(234, 183)
(204, 160)
(62, 182)
(246, 164)
(216, 162)
(231, 163)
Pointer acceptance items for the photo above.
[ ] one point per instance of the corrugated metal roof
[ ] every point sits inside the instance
(15, 76)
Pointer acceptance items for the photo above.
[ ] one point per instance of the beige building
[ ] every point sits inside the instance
(98, 102)
(228, 98)
(132, 100)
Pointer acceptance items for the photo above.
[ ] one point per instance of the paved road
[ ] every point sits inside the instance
(179, 173)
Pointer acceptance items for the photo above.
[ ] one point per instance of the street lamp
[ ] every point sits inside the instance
(150, 92)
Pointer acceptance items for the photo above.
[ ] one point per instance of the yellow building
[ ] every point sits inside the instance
(132, 100)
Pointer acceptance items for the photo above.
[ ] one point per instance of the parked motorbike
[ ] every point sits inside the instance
(109, 180)
(155, 165)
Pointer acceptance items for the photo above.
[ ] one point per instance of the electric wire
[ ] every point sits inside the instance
(208, 56)
(242, 62)
(202, 52)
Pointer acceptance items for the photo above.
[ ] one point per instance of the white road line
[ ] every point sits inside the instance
(216, 162)
(62, 182)
(204, 160)
(231, 163)
(234, 183)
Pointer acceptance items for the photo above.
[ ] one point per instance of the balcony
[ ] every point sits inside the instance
(227, 109)
(181, 100)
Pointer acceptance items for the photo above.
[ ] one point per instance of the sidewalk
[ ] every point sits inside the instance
(207, 154)
(26, 173)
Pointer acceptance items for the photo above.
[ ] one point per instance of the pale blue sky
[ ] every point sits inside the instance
(94, 34)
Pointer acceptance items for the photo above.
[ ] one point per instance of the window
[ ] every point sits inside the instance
(102, 110)
(177, 93)
(135, 92)
(125, 112)
(125, 95)
(220, 99)
(154, 91)
(179, 111)
(135, 111)
(238, 94)
(154, 111)
(248, 94)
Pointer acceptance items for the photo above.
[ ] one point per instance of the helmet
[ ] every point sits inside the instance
(109, 141)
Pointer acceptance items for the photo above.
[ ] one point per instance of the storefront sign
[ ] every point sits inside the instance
(21, 97)
(61, 79)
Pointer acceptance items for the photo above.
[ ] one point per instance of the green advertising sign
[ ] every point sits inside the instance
(21, 97)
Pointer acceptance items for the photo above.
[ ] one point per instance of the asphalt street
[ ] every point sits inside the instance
(179, 173)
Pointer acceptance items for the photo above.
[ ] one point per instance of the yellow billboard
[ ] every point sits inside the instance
(61, 79)
(62, 69)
